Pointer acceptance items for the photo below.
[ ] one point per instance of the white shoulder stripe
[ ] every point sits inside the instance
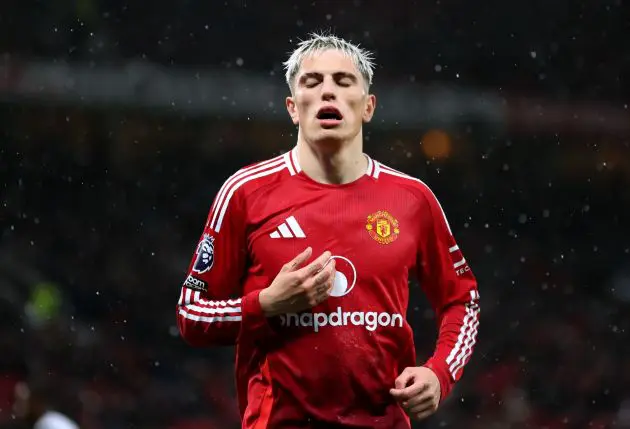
(370, 167)
(296, 162)
(377, 169)
(244, 179)
(391, 171)
(230, 180)
(227, 190)
(287, 160)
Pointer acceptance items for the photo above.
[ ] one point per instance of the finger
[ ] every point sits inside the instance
(324, 277)
(409, 392)
(299, 260)
(323, 260)
(421, 399)
(321, 297)
(315, 266)
(329, 261)
(427, 405)
(403, 379)
(320, 291)
(323, 283)
(330, 284)
(423, 414)
(416, 389)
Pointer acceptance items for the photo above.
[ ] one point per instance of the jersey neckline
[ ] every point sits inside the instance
(293, 164)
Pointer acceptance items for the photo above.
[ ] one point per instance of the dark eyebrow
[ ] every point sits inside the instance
(308, 75)
(342, 75)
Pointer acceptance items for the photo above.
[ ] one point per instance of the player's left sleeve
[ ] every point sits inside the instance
(451, 288)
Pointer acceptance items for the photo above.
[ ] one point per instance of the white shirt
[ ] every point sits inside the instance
(54, 420)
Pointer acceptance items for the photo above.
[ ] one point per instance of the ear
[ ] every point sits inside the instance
(293, 111)
(370, 105)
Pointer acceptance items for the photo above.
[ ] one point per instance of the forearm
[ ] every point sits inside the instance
(207, 322)
(459, 324)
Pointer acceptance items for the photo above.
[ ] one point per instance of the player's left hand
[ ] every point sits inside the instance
(418, 390)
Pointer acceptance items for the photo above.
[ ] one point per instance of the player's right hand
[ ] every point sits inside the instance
(297, 287)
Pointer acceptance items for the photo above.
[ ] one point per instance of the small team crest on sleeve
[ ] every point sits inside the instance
(205, 255)
(382, 227)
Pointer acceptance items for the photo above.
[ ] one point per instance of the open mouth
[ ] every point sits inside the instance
(329, 114)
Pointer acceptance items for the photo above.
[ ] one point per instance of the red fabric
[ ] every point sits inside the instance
(334, 364)
(7, 395)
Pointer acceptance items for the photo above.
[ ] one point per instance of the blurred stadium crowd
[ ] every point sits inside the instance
(555, 47)
(101, 208)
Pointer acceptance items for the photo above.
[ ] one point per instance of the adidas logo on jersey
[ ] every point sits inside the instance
(290, 228)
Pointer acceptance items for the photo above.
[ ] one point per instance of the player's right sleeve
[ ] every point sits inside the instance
(211, 310)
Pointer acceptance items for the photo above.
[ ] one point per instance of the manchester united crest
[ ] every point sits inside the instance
(382, 227)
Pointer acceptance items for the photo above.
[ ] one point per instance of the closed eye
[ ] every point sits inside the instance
(345, 82)
(311, 80)
(343, 79)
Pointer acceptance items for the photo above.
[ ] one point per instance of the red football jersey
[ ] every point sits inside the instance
(333, 365)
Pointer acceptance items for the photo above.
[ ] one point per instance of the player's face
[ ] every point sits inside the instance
(330, 101)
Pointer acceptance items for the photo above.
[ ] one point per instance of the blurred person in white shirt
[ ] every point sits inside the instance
(32, 405)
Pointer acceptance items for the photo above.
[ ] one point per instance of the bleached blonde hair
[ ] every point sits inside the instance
(318, 42)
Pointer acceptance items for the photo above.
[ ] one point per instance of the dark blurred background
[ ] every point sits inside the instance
(120, 120)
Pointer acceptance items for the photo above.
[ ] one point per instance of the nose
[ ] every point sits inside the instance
(328, 89)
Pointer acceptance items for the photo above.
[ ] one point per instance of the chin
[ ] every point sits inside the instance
(327, 139)
(329, 135)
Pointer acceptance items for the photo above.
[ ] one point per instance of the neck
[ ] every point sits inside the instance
(333, 164)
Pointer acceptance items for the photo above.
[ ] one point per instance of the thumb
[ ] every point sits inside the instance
(405, 378)
(298, 261)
